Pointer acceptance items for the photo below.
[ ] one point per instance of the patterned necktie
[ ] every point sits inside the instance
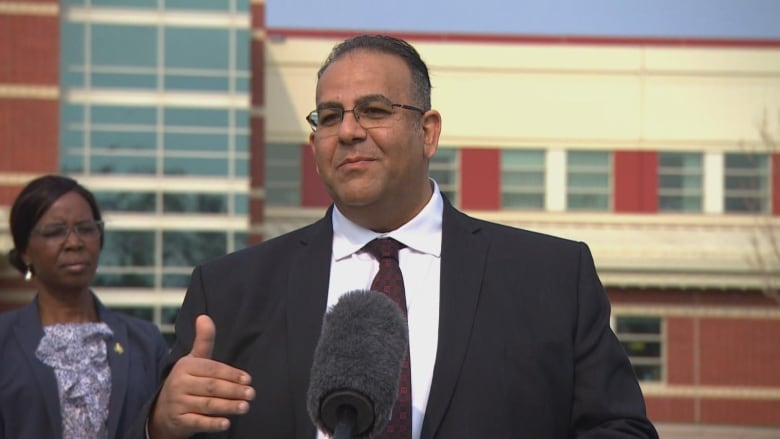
(390, 281)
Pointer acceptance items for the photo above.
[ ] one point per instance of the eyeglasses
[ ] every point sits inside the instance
(371, 114)
(59, 232)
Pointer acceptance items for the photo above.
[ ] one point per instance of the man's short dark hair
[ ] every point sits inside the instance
(421, 82)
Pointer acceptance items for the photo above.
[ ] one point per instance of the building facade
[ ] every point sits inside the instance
(188, 124)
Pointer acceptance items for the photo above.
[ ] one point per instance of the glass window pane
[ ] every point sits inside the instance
(582, 159)
(588, 180)
(747, 183)
(175, 280)
(124, 140)
(122, 164)
(639, 348)
(195, 117)
(124, 80)
(103, 279)
(127, 248)
(529, 201)
(117, 45)
(190, 5)
(242, 167)
(240, 240)
(243, 49)
(196, 48)
(241, 204)
(126, 201)
(71, 54)
(283, 174)
(639, 325)
(104, 114)
(680, 182)
(196, 142)
(523, 179)
(510, 159)
(169, 314)
(127, 3)
(648, 372)
(187, 249)
(195, 166)
(587, 202)
(195, 203)
(71, 161)
(529, 179)
(197, 82)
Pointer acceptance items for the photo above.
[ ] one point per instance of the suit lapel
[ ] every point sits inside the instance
(28, 332)
(118, 361)
(463, 256)
(308, 296)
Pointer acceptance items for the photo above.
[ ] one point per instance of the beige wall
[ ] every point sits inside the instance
(622, 97)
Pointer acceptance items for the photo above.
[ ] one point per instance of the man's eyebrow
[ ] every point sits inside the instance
(361, 100)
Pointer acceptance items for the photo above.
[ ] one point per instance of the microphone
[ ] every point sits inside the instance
(357, 365)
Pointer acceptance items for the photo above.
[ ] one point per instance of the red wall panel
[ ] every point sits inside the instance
(29, 144)
(480, 179)
(636, 181)
(670, 409)
(32, 43)
(679, 350)
(740, 352)
(740, 412)
(313, 192)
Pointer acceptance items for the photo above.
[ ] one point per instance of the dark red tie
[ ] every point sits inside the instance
(390, 281)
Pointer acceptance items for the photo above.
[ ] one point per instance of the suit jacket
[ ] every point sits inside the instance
(525, 349)
(29, 399)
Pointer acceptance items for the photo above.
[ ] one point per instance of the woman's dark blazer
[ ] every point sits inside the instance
(29, 400)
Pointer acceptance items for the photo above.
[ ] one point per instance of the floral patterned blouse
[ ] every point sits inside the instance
(77, 353)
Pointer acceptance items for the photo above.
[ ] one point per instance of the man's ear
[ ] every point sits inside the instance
(314, 152)
(431, 125)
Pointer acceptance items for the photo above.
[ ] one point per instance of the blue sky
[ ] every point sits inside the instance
(754, 19)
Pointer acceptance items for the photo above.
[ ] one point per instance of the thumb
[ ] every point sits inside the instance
(204, 337)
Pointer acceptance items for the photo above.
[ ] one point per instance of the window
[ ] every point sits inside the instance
(283, 175)
(187, 249)
(680, 182)
(111, 201)
(127, 259)
(641, 337)
(193, 140)
(194, 203)
(589, 180)
(444, 169)
(197, 48)
(199, 164)
(746, 180)
(114, 45)
(522, 179)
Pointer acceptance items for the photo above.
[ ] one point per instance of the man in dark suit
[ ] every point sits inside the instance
(509, 329)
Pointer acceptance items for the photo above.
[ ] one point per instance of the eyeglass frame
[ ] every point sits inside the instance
(314, 125)
(99, 224)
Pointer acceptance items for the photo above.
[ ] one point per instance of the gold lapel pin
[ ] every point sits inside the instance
(118, 348)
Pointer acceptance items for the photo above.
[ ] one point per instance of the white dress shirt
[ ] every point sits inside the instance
(420, 263)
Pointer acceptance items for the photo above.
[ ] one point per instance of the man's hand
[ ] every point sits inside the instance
(199, 391)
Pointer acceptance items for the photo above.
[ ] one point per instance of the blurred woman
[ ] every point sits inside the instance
(69, 367)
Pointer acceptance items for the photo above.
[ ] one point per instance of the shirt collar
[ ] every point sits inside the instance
(421, 234)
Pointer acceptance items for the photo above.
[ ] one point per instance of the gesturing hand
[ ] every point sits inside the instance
(199, 392)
